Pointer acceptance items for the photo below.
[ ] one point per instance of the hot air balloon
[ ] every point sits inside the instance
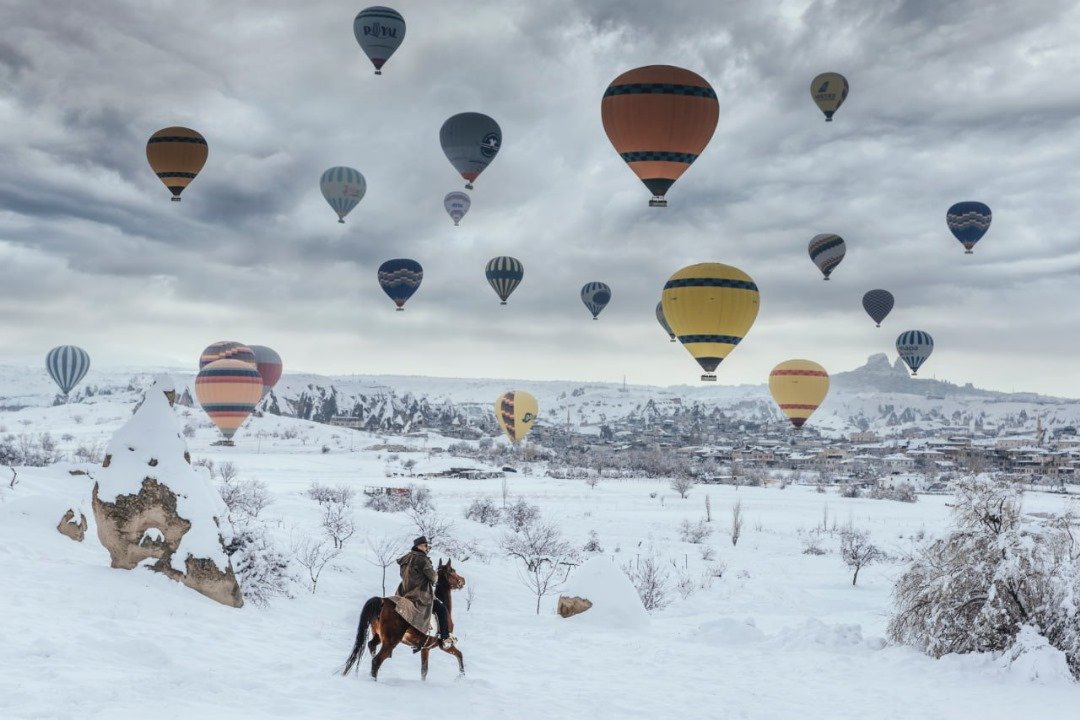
(663, 321)
(67, 366)
(176, 154)
(968, 221)
(504, 274)
(457, 204)
(228, 391)
(226, 350)
(379, 30)
(829, 91)
(268, 363)
(798, 387)
(596, 296)
(516, 412)
(826, 251)
(914, 346)
(710, 307)
(343, 187)
(877, 304)
(659, 118)
(400, 278)
(471, 141)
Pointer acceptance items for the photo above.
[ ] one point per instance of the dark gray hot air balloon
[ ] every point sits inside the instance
(471, 141)
(67, 365)
(877, 304)
(504, 274)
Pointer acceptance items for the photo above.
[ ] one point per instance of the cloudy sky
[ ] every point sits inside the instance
(972, 99)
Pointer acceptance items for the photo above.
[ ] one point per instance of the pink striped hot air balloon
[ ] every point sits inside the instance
(226, 350)
(228, 391)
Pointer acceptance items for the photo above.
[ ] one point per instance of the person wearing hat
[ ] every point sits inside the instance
(417, 584)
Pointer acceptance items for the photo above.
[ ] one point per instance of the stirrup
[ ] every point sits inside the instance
(448, 642)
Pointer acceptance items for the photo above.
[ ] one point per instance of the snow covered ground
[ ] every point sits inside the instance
(781, 634)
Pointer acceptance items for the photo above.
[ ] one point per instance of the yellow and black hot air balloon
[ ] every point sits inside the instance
(710, 307)
(829, 91)
(659, 118)
(176, 154)
(516, 412)
(798, 387)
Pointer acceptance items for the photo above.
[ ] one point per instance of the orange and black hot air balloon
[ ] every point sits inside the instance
(176, 154)
(659, 118)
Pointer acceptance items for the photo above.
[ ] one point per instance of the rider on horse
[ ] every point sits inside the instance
(417, 579)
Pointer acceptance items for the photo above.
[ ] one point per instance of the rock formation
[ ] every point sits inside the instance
(152, 505)
(73, 525)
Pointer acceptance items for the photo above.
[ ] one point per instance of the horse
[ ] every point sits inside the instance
(389, 628)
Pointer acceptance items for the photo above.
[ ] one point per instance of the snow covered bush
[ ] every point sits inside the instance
(651, 580)
(484, 510)
(248, 497)
(902, 492)
(263, 571)
(520, 514)
(974, 589)
(592, 545)
(694, 532)
(683, 484)
(326, 495)
(337, 523)
(29, 450)
(812, 542)
(542, 552)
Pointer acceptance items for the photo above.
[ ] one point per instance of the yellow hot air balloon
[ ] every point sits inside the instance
(710, 307)
(798, 387)
(516, 412)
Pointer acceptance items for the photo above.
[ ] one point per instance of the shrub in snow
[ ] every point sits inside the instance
(29, 450)
(848, 490)
(694, 532)
(146, 481)
(683, 484)
(651, 580)
(247, 497)
(337, 524)
(974, 589)
(461, 549)
(592, 545)
(520, 514)
(326, 495)
(901, 492)
(484, 510)
(736, 522)
(542, 553)
(813, 542)
(264, 571)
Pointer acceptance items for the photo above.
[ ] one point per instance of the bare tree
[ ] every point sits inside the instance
(338, 524)
(313, 556)
(592, 480)
(682, 484)
(227, 471)
(430, 524)
(470, 595)
(14, 478)
(694, 532)
(542, 551)
(708, 509)
(384, 553)
(857, 550)
(736, 522)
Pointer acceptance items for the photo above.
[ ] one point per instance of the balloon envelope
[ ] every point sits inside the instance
(471, 141)
(798, 387)
(228, 391)
(400, 278)
(379, 30)
(504, 274)
(914, 346)
(877, 304)
(659, 118)
(67, 366)
(176, 154)
(710, 307)
(226, 350)
(826, 251)
(829, 91)
(596, 296)
(516, 412)
(268, 363)
(663, 321)
(457, 204)
(343, 187)
(968, 222)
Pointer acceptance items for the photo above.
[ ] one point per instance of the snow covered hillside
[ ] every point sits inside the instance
(758, 629)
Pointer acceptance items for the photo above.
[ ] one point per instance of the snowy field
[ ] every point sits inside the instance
(781, 634)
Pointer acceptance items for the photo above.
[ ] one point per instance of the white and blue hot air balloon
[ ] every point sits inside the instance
(914, 346)
(343, 188)
(67, 366)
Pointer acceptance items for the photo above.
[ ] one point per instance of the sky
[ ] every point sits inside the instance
(966, 100)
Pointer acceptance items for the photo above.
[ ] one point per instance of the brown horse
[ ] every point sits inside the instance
(389, 628)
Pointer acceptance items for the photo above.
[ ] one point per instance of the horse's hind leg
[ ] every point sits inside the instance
(373, 644)
(377, 661)
(424, 662)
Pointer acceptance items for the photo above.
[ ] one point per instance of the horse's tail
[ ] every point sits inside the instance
(367, 615)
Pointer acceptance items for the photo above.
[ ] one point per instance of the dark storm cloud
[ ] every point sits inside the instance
(949, 101)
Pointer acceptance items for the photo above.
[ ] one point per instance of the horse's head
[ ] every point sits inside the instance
(449, 574)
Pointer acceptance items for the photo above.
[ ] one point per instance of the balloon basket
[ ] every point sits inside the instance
(401, 309)
(341, 220)
(708, 377)
(672, 340)
(658, 201)
(378, 72)
(224, 443)
(966, 252)
(503, 302)
(468, 186)
(175, 199)
(826, 278)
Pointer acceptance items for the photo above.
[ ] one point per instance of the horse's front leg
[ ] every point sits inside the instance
(424, 654)
(460, 658)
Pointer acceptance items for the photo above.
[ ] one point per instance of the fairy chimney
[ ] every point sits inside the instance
(152, 505)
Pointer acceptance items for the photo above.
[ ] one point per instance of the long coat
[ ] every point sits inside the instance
(417, 578)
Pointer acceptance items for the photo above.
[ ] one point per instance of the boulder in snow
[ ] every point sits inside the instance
(150, 503)
(73, 525)
(598, 592)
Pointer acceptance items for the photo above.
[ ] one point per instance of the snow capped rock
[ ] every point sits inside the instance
(615, 602)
